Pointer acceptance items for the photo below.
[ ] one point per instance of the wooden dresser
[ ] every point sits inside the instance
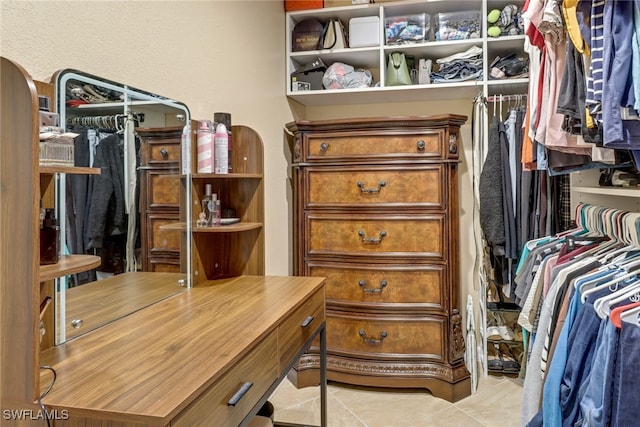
(376, 213)
(159, 198)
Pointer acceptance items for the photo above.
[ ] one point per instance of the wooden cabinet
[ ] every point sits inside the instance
(376, 213)
(159, 198)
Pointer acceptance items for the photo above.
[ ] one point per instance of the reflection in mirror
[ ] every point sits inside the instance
(132, 140)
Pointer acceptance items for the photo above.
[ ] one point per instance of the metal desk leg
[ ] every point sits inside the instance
(323, 377)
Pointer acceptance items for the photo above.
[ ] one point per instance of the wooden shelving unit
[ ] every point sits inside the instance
(235, 249)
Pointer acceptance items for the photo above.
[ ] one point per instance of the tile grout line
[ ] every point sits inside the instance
(350, 411)
(473, 417)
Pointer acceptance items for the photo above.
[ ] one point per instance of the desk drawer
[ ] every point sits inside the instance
(387, 285)
(375, 235)
(259, 366)
(396, 187)
(374, 144)
(386, 337)
(292, 334)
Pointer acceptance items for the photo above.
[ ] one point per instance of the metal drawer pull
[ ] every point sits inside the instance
(324, 146)
(371, 190)
(421, 145)
(164, 153)
(371, 239)
(239, 394)
(363, 334)
(306, 322)
(363, 285)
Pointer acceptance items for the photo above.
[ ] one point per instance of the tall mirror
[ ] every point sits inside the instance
(122, 210)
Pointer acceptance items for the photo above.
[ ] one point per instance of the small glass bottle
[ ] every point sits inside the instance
(204, 218)
(218, 212)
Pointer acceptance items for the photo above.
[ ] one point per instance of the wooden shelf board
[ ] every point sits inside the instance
(216, 176)
(231, 228)
(69, 170)
(69, 264)
(226, 175)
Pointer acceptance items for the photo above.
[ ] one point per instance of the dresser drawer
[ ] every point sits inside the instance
(374, 144)
(160, 239)
(375, 235)
(393, 187)
(259, 366)
(386, 285)
(165, 264)
(380, 337)
(162, 192)
(161, 147)
(299, 327)
(162, 152)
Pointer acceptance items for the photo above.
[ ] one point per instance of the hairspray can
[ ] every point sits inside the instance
(221, 144)
(205, 147)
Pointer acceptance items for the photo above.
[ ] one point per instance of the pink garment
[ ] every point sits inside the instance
(551, 262)
(549, 130)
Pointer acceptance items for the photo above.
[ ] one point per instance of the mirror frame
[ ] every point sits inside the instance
(132, 96)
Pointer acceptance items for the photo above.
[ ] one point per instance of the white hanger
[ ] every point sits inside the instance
(602, 306)
(631, 316)
(615, 281)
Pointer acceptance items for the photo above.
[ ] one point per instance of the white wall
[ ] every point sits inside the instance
(213, 56)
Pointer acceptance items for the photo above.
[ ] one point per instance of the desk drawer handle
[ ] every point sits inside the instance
(363, 285)
(363, 334)
(306, 322)
(371, 190)
(421, 145)
(362, 235)
(324, 146)
(164, 153)
(235, 399)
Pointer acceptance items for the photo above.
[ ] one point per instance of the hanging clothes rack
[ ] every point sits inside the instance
(112, 121)
(498, 98)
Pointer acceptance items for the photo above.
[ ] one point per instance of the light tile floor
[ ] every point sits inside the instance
(495, 404)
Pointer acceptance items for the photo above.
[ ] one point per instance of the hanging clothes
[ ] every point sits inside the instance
(590, 274)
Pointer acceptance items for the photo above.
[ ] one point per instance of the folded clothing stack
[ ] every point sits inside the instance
(459, 67)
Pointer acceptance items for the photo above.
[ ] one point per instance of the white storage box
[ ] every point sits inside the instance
(364, 31)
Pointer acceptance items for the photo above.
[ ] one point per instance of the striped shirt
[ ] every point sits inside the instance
(595, 72)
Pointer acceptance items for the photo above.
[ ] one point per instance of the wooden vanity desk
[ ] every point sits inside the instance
(179, 362)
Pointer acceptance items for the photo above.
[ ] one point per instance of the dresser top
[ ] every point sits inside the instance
(440, 120)
(150, 365)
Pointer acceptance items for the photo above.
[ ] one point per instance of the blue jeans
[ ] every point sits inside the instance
(582, 344)
(626, 389)
(595, 406)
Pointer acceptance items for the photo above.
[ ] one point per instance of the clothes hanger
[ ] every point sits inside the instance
(631, 316)
(632, 270)
(616, 314)
(603, 305)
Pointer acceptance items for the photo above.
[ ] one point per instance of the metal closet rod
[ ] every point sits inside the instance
(498, 98)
